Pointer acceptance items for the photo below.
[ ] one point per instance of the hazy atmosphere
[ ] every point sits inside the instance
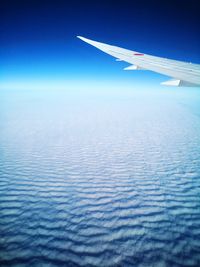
(98, 166)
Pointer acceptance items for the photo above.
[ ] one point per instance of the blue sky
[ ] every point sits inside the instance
(38, 38)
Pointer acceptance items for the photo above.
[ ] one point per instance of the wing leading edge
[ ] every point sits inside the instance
(182, 73)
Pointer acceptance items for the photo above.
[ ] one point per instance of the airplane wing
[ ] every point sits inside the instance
(181, 73)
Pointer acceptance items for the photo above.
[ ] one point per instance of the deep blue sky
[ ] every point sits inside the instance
(38, 38)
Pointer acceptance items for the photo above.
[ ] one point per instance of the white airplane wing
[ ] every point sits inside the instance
(181, 73)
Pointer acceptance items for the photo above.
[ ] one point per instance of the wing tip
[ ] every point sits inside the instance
(80, 37)
(86, 40)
